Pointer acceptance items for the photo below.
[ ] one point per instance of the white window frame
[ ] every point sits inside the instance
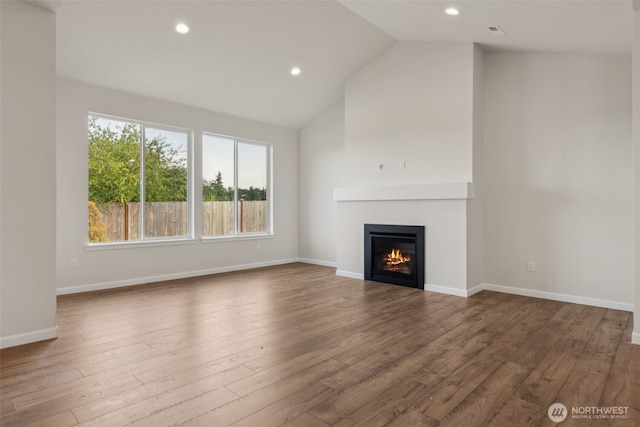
(144, 240)
(237, 235)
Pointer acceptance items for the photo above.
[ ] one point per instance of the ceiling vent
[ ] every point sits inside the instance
(496, 31)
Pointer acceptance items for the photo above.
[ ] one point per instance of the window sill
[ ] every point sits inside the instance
(173, 242)
(139, 244)
(220, 239)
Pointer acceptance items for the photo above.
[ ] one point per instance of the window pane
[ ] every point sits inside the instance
(252, 187)
(218, 185)
(166, 183)
(114, 180)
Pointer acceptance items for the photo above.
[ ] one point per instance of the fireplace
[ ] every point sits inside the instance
(394, 254)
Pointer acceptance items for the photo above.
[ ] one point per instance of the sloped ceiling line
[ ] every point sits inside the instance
(50, 5)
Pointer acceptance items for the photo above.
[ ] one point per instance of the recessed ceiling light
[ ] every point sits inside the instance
(182, 28)
(295, 71)
(452, 11)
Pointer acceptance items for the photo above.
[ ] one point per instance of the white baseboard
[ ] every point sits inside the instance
(596, 302)
(427, 287)
(318, 262)
(475, 289)
(164, 277)
(635, 337)
(344, 273)
(28, 337)
(616, 305)
(446, 290)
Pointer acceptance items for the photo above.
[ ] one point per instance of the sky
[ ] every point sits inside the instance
(217, 155)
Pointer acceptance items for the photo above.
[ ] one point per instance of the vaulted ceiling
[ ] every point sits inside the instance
(237, 56)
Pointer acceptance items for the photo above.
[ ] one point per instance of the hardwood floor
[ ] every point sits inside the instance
(295, 345)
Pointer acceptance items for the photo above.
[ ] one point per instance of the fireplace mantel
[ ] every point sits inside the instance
(439, 191)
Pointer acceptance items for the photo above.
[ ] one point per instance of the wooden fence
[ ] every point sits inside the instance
(167, 219)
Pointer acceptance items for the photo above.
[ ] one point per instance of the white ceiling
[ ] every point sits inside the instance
(237, 56)
(580, 26)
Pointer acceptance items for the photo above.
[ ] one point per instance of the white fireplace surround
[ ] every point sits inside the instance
(435, 191)
(440, 207)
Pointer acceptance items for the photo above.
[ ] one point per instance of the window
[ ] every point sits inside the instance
(131, 162)
(235, 190)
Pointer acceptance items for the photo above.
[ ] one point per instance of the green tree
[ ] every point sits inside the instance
(252, 193)
(97, 227)
(213, 191)
(165, 173)
(114, 163)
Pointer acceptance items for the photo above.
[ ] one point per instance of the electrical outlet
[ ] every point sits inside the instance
(531, 266)
(73, 263)
(258, 247)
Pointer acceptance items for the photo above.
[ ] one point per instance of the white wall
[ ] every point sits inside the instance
(108, 268)
(27, 175)
(414, 103)
(321, 169)
(558, 175)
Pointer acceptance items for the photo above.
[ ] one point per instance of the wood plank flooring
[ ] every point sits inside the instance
(295, 345)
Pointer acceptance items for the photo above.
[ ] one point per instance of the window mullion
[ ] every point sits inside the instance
(268, 194)
(236, 204)
(141, 205)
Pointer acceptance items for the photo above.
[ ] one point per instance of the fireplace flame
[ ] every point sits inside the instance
(396, 257)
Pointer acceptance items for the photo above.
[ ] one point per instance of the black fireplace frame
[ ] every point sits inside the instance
(416, 232)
